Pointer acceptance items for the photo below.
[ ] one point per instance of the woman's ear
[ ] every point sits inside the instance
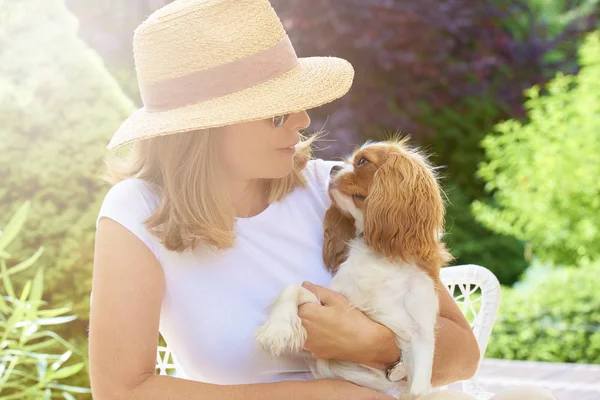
(339, 229)
(404, 211)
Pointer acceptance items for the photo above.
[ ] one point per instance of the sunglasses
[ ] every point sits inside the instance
(279, 120)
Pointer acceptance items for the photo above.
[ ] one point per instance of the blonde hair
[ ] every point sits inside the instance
(192, 210)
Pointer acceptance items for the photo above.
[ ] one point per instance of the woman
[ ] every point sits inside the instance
(217, 208)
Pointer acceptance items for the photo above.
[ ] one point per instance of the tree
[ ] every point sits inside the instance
(58, 107)
(543, 172)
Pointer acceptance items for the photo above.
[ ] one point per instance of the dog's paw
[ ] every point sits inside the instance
(278, 336)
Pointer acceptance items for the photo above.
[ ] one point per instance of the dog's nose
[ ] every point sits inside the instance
(335, 169)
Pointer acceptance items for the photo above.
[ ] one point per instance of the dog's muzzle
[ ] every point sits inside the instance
(335, 169)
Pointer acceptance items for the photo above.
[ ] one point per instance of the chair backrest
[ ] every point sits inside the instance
(166, 363)
(474, 288)
(477, 292)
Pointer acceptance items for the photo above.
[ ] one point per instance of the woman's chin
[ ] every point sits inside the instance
(282, 173)
(281, 170)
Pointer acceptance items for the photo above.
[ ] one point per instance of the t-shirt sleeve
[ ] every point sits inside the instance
(130, 203)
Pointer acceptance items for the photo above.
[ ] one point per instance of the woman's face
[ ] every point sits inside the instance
(258, 150)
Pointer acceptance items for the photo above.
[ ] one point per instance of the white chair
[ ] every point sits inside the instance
(166, 363)
(474, 288)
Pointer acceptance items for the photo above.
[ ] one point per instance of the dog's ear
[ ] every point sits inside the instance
(339, 229)
(404, 212)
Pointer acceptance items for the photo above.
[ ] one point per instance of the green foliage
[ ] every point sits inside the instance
(455, 143)
(560, 21)
(33, 359)
(531, 41)
(471, 243)
(543, 173)
(554, 16)
(115, 44)
(58, 107)
(555, 318)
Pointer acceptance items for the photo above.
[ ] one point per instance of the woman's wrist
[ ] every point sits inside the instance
(382, 349)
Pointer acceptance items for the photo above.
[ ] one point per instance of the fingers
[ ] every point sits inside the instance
(307, 309)
(306, 296)
(326, 296)
(311, 286)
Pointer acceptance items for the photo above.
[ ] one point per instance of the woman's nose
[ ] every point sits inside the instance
(299, 120)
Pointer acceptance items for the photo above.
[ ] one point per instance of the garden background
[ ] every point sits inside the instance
(504, 95)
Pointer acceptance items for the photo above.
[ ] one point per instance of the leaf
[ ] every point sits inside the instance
(67, 371)
(25, 292)
(42, 368)
(64, 357)
(41, 345)
(38, 285)
(55, 320)
(6, 280)
(22, 266)
(14, 225)
(73, 389)
(54, 312)
(3, 307)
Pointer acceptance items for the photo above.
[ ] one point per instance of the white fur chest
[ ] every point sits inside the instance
(370, 281)
(400, 296)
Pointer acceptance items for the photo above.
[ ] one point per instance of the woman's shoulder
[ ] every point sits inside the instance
(130, 202)
(135, 191)
(133, 197)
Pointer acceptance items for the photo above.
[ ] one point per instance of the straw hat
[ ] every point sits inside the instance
(209, 63)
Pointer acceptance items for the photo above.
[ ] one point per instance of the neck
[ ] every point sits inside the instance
(248, 197)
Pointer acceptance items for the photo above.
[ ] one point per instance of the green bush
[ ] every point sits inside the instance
(32, 358)
(555, 15)
(58, 107)
(471, 243)
(456, 146)
(543, 173)
(532, 40)
(555, 318)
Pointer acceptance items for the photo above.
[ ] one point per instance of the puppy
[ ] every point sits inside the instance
(383, 243)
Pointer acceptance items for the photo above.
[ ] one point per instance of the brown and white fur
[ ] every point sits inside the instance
(383, 242)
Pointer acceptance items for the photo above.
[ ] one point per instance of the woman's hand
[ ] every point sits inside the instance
(337, 389)
(337, 331)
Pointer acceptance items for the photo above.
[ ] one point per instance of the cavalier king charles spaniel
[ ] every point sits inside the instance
(383, 243)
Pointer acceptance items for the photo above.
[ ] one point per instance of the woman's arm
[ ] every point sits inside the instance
(456, 351)
(166, 387)
(334, 331)
(128, 286)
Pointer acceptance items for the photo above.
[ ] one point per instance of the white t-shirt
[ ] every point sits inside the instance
(214, 301)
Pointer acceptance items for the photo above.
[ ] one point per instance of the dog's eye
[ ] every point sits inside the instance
(362, 161)
(359, 197)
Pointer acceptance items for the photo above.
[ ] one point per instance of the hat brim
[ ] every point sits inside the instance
(313, 82)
